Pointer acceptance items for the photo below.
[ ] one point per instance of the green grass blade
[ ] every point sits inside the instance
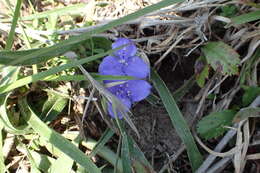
(66, 168)
(69, 10)
(10, 38)
(83, 78)
(140, 163)
(44, 74)
(56, 139)
(53, 106)
(102, 141)
(42, 161)
(125, 154)
(245, 18)
(66, 45)
(4, 118)
(2, 163)
(7, 56)
(178, 121)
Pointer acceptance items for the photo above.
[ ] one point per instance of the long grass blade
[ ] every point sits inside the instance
(178, 121)
(66, 45)
(10, 38)
(56, 139)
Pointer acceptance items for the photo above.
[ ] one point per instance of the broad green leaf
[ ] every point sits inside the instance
(33, 164)
(222, 57)
(212, 125)
(10, 38)
(63, 158)
(246, 113)
(66, 45)
(56, 139)
(250, 94)
(245, 18)
(178, 121)
(53, 106)
(42, 161)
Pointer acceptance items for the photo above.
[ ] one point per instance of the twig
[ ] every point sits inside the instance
(220, 165)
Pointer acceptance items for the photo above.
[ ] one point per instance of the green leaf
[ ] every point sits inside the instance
(212, 125)
(56, 139)
(98, 43)
(222, 57)
(125, 154)
(103, 152)
(245, 18)
(63, 158)
(202, 76)
(178, 121)
(42, 161)
(6, 122)
(2, 161)
(82, 77)
(66, 45)
(53, 106)
(7, 56)
(69, 10)
(228, 10)
(44, 74)
(102, 141)
(246, 113)
(250, 94)
(10, 38)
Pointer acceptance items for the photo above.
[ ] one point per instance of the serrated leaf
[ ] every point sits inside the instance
(212, 125)
(222, 57)
(246, 113)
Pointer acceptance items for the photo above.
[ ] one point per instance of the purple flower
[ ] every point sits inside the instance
(124, 62)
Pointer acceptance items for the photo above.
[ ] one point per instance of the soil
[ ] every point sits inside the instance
(158, 136)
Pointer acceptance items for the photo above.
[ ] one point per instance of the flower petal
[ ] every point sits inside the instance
(139, 89)
(136, 67)
(110, 66)
(128, 50)
(125, 101)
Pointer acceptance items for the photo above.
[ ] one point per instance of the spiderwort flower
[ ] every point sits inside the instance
(124, 62)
